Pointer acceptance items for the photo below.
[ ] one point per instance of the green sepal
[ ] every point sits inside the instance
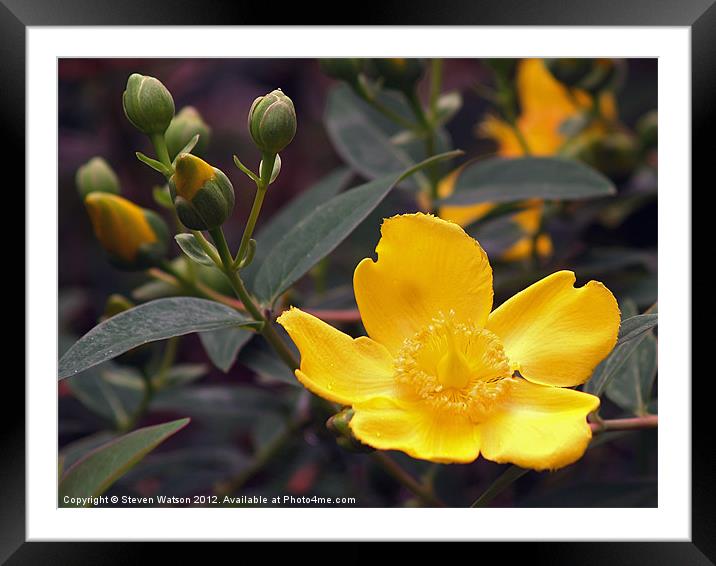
(154, 164)
(162, 196)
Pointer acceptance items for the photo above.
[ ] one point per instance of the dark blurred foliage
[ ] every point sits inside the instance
(91, 122)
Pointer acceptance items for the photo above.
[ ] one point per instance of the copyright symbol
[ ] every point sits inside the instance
(115, 499)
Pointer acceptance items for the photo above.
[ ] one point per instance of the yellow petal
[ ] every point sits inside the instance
(555, 334)
(120, 225)
(426, 266)
(538, 427)
(334, 365)
(439, 437)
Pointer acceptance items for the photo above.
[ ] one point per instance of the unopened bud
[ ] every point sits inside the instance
(134, 238)
(183, 127)
(96, 176)
(148, 104)
(272, 121)
(203, 196)
(345, 69)
(400, 74)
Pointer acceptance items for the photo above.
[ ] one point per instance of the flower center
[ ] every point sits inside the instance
(454, 366)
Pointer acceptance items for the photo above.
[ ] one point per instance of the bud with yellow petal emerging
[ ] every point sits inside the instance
(272, 122)
(183, 127)
(148, 104)
(135, 238)
(96, 176)
(203, 196)
(400, 74)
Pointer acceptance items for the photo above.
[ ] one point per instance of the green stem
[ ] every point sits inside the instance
(170, 353)
(147, 396)
(268, 161)
(436, 80)
(207, 247)
(424, 492)
(160, 147)
(429, 133)
(267, 329)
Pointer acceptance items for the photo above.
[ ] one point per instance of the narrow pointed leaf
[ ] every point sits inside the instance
(154, 164)
(97, 471)
(507, 180)
(157, 320)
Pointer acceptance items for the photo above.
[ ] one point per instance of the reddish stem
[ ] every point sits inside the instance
(636, 423)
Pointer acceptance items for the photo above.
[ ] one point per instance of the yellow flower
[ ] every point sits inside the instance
(546, 104)
(443, 378)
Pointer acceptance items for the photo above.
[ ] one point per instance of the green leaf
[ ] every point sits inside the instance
(222, 346)
(95, 473)
(193, 250)
(506, 180)
(156, 320)
(319, 232)
(267, 366)
(369, 142)
(154, 164)
(632, 333)
(272, 232)
(243, 403)
(162, 197)
(100, 390)
(631, 387)
(635, 326)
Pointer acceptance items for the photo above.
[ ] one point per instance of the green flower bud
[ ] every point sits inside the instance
(203, 196)
(134, 238)
(272, 121)
(184, 126)
(400, 74)
(345, 69)
(569, 71)
(148, 104)
(614, 154)
(339, 425)
(96, 176)
(648, 129)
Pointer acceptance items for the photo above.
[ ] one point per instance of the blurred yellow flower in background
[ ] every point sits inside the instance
(443, 377)
(546, 104)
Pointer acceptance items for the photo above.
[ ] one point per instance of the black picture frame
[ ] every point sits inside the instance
(698, 15)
